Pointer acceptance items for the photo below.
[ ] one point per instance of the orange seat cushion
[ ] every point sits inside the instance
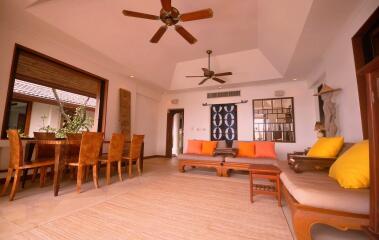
(246, 149)
(208, 147)
(194, 146)
(265, 150)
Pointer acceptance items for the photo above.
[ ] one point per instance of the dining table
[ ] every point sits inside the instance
(61, 154)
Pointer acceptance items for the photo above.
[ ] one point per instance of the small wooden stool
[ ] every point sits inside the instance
(264, 171)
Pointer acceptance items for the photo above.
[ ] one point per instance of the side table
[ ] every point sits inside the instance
(269, 172)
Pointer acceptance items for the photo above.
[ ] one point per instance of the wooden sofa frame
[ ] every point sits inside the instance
(304, 217)
(201, 164)
(227, 166)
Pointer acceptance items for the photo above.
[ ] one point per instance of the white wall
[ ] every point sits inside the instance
(197, 117)
(52, 113)
(147, 122)
(18, 26)
(338, 70)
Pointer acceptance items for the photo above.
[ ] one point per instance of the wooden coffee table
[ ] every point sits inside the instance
(269, 172)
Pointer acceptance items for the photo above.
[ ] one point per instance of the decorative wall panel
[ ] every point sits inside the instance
(125, 109)
(224, 122)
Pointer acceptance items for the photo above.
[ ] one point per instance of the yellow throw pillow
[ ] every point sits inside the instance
(326, 147)
(351, 170)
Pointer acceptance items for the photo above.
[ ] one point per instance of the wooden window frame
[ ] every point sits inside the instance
(101, 98)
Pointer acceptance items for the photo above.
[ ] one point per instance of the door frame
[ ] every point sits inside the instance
(366, 70)
(169, 127)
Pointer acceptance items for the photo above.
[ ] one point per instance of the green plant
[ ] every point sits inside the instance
(79, 122)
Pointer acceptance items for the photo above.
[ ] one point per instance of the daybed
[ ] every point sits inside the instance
(242, 163)
(199, 160)
(314, 197)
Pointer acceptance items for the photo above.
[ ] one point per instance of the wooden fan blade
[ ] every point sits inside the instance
(158, 35)
(223, 74)
(194, 76)
(185, 34)
(218, 80)
(166, 5)
(202, 82)
(140, 15)
(197, 15)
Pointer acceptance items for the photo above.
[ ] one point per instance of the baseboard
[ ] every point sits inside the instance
(154, 156)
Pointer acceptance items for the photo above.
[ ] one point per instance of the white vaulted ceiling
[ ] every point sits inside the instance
(255, 39)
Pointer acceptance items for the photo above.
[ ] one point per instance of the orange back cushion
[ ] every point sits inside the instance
(265, 150)
(208, 147)
(194, 146)
(246, 149)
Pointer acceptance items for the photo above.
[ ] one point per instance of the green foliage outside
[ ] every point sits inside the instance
(76, 123)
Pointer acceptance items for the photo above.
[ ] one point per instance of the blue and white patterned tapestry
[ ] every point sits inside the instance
(224, 122)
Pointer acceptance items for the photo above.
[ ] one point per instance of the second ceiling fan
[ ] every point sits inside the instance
(170, 16)
(209, 74)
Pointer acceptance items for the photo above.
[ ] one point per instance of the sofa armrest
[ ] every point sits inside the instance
(301, 163)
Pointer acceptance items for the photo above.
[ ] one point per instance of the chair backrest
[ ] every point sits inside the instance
(16, 151)
(116, 147)
(44, 150)
(90, 147)
(73, 150)
(136, 146)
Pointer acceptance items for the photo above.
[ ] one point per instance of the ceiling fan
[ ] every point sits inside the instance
(170, 16)
(209, 74)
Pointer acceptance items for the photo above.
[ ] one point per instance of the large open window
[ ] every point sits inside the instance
(45, 94)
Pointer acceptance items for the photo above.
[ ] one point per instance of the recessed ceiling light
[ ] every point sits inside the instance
(295, 79)
(131, 76)
(219, 87)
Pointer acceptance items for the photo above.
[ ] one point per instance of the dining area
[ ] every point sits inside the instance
(75, 157)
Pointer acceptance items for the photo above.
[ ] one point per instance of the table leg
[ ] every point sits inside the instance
(29, 148)
(251, 187)
(141, 157)
(278, 191)
(57, 168)
(24, 176)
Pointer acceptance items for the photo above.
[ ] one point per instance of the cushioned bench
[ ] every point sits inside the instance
(198, 160)
(314, 197)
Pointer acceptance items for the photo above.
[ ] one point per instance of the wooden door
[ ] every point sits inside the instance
(372, 80)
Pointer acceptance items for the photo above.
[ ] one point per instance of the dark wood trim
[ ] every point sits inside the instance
(367, 71)
(29, 109)
(170, 122)
(39, 82)
(26, 98)
(373, 125)
(102, 107)
(9, 93)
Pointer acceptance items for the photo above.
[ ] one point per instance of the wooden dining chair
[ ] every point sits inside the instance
(116, 149)
(90, 147)
(134, 153)
(16, 163)
(73, 152)
(43, 152)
